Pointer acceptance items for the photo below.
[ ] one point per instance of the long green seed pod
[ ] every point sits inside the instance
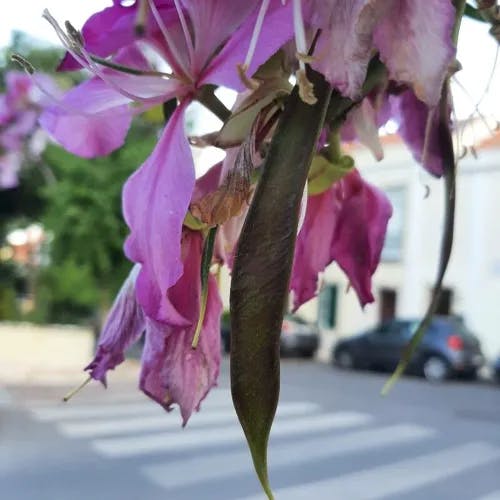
(262, 268)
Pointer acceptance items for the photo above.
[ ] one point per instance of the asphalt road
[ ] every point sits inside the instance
(335, 438)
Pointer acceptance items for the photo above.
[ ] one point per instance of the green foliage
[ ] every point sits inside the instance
(66, 293)
(81, 210)
(83, 214)
(8, 309)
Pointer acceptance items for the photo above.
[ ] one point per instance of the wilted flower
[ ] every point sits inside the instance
(253, 47)
(20, 107)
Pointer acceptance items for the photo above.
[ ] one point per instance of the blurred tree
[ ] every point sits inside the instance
(81, 211)
(83, 214)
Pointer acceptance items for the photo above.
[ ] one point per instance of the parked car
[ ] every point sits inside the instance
(448, 348)
(496, 369)
(298, 337)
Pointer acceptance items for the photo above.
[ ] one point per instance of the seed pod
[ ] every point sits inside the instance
(262, 268)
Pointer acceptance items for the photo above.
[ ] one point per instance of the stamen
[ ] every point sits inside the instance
(76, 390)
(97, 71)
(168, 39)
(30, 71)
(141, 18)
(74, 34)
(306, 88)
(72, 41)
(250, 83)
(127, 69)
(26, 65)
(256, 32)
(201, 318)
(300, 32)
(185, 29)
(243, 68)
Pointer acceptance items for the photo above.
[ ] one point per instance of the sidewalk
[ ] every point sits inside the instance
(49, 355)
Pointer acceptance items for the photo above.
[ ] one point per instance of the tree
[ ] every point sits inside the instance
(83, 214)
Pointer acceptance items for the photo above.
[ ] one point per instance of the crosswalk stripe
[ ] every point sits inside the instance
(397, 478)
(5, 398)
(65, 411)
(94, 411)
(176, 474)
(188, 440)
(100, 397)
(101, 427)
(495, 495)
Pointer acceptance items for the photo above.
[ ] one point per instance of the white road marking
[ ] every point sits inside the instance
(397, 478)
(495, 495)
(188, 440)
(63, 411)
(180, 473)
(104, 427)
(5, 398)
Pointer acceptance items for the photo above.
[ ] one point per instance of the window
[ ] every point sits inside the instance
(327, 313)
(393, 245)
(388, 301)
(445, 301)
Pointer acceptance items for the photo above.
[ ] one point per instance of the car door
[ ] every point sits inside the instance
(387, 343)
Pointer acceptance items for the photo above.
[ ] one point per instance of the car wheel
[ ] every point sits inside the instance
(436, 369)
(344, 359)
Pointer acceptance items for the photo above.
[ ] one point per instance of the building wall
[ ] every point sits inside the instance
(474, 271)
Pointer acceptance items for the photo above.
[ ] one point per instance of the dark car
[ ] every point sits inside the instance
(496, 369)
(448, 348)
(298, 337)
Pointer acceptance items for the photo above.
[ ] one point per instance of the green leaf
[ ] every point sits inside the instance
(193, 223)
(473, 13)
(261, 273)
(324, 173)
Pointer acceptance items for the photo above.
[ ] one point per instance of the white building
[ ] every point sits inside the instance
(403, 281)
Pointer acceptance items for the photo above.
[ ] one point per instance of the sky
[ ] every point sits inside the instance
(476, 50)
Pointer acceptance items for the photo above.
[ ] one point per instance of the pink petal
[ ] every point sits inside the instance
(344, 47)
(312, 250)
(412, 115)
(276, 31)
(10, 164)
(360, 232)
(208, 182)
(346, 224)
(364, 122)
(91, 120)
(414, 40)
(172, 371)
(123, 327)
(227, 238)
(213, 22)
(155, 201)
(113, 28)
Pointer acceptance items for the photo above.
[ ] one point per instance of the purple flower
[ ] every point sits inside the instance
(345, 224)
(123, 327)
(172, 371)
(403, 32)
(418, 126)
(19, 110)
(10, 164)
(156, 197)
